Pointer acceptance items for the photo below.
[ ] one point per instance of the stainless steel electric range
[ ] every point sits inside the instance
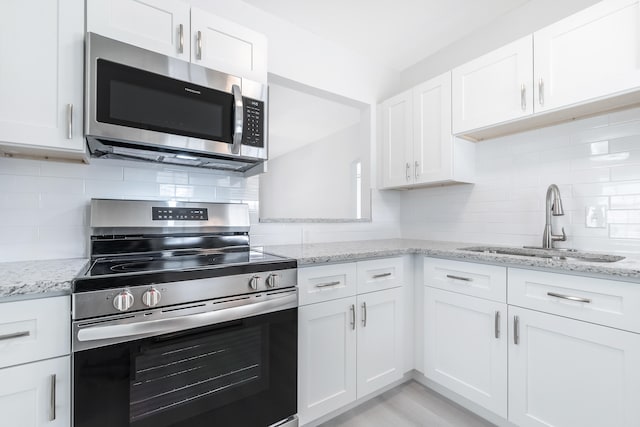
(177, 322)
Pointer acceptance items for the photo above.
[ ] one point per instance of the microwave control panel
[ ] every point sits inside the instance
(253, 129)
(182, 214)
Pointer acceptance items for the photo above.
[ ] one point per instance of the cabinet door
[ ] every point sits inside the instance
(41, 74)
(397, 141)
(327, 357)
(432, 140)
(379, 340)
(567, 373)
(36, 394)
(591, 54)
(495, 88)
(465, 347)
(228, 47)
(158, 25)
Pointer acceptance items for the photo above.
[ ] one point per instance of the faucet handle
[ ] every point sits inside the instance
(559, 238)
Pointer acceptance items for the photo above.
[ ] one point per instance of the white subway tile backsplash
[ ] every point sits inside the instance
(595, 162)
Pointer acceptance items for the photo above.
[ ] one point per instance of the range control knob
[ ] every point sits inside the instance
(151, 298)
(253, 282)
(123, 301)
(273, 281)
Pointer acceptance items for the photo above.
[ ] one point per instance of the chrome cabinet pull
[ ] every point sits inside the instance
(378, 276)
(364, 314)
(516, 330)
(417, 168)
(523, 97)
(199, 45)
(496, 325)
(541, 91)
(180, 38)
(408, 172)
(15, 335)
(327, 284)
(238, 112)
(569, 297)
(69, 121)
(52, 403)
(353, 316)
(464, 279)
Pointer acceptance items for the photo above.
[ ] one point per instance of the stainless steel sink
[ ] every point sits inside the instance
(554, 254)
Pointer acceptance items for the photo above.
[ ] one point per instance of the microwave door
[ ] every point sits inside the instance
(138, 99)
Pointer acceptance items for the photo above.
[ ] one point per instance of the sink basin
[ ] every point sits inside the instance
(554, 254)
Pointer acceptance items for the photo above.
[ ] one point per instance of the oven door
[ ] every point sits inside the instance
(241, 372)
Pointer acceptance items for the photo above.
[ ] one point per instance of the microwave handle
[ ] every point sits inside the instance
(238, 119)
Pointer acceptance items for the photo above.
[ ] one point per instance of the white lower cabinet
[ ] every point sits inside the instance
(379, 340)
(326, 357)
(466, 347)
(566, 373)
(347, 349)
(36, 394)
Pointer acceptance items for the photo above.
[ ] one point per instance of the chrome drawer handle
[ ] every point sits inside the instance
(378, 276)
(496, 326)
(516, 330)
(52, 402)
(569, 297)
(541, 91)
(199, 45)
(364, 314)
(15, 335)
(523, 97)
(464, 279)
(353, 316)
(327, 284)
(180, 38)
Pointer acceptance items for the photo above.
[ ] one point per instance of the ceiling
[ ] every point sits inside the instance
(297, 118)
(396, 33)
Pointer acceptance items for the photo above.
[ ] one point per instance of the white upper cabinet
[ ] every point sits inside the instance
(41, 77)
(591, 54)
(417, 146)
(397, 140)
(225, 46)
(174, 28)
(432, 140)
(494, 88)
(158, 25)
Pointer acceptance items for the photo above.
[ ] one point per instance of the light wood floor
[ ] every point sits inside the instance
(408, 405)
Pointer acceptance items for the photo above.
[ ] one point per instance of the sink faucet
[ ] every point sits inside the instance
(553, 207)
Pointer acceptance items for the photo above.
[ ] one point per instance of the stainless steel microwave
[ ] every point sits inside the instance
(147, 106)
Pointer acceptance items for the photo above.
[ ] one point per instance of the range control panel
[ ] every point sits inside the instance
(253, 129)
(180, 214)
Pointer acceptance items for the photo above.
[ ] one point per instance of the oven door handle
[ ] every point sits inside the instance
(180, 323)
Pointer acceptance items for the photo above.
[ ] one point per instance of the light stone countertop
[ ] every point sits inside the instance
(37, 279)
(307, 254)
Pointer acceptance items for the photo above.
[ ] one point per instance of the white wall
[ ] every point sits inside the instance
(595, 162)
(300, 55)
(316, 180)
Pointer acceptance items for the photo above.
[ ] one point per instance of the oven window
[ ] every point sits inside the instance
(135, 98)
(237, 373)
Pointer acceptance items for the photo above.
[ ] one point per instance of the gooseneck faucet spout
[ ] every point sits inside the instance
(553, 207)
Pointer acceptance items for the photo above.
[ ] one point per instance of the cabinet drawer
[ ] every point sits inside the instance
(34, 330)
(378, 274)
(326, 282)
(601, 301)
(479, 280)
